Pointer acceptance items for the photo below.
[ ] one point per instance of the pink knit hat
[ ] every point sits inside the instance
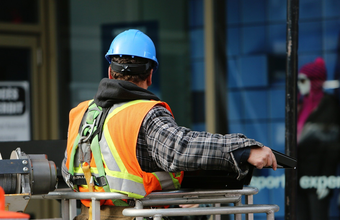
(315, 70)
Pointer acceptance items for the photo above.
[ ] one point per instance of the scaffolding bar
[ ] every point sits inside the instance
(177, 197)
(268, 209)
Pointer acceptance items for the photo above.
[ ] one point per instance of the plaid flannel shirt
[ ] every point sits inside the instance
(163, 145)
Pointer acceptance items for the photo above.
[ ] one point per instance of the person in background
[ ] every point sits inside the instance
(318, 138)
(126, 140)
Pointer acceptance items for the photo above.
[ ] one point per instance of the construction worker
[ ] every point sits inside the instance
(126, 140)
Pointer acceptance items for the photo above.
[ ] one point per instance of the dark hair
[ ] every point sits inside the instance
(129, 60)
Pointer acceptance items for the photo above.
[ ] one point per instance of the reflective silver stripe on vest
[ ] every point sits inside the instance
(105, 149)
(111, 163)
(165, 180)
(125, 185)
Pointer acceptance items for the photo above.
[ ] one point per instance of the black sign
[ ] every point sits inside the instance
(12, 100)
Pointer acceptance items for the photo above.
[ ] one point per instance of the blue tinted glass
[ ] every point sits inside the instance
(309, 9)
(277, 103)
(197, 76)
(331, 37)
(277, 38)
(310, 36)
(254, 70)
(235, 128)
(331, 8)
(196, 13)
(253, 11)
(197, 43)
(254, 39)
(277, 10)
(234, 75)
(255, 103)
(257, 131)
(277, 136)
(331, 60)
(235, 106)
(233, 41)
(233, 12)
(198, 127)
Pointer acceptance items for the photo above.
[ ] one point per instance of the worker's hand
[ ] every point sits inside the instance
(262, 157)
(189, 206)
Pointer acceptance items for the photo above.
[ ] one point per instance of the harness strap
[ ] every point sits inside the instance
(89, 181)
(71, 165)
(80, 180)
(99, 163)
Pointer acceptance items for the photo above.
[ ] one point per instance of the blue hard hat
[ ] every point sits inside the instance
(133, 43)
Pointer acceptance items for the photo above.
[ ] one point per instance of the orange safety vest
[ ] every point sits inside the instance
(118, 152)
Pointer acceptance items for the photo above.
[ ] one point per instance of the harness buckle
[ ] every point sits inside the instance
(68, 180)
(84, 138)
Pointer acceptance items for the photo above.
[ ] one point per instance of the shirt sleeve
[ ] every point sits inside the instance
(241, 155)
(175, 148)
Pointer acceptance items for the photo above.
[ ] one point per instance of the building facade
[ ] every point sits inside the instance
(230, 78)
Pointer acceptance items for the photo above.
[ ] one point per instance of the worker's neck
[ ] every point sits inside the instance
(142, 84)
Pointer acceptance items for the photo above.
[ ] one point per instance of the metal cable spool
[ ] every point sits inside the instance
(39, 175)
(43, 175)
(8, 182)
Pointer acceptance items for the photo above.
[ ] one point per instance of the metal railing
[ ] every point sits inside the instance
(69, 210)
